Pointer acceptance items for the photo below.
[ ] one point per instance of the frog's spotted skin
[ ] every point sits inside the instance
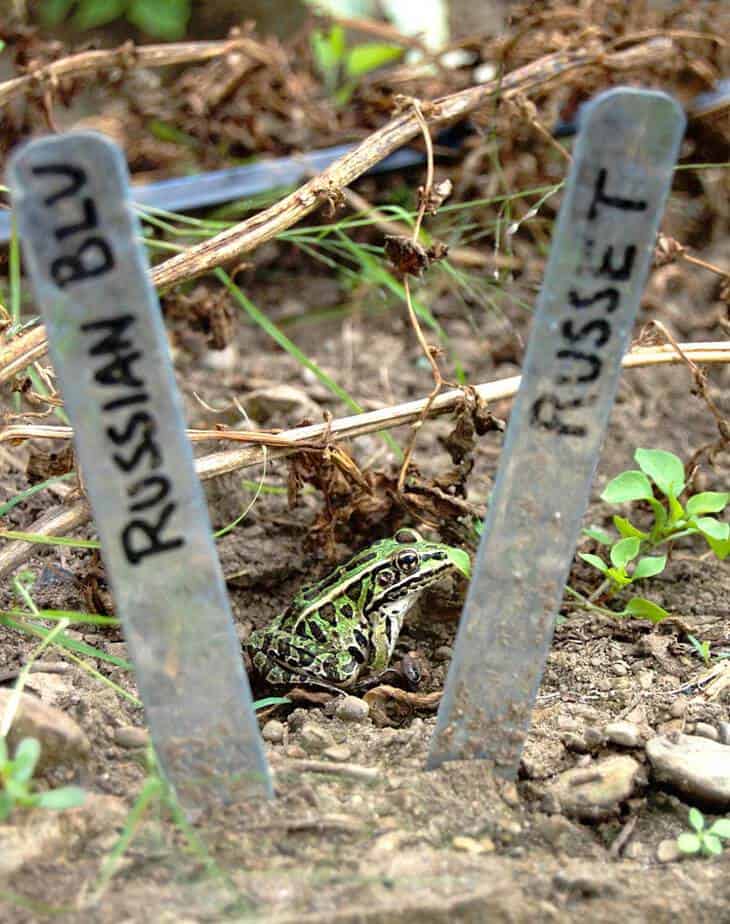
(347, 624)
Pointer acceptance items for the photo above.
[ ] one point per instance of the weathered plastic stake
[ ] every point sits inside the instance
(599, 260)
(81, 243)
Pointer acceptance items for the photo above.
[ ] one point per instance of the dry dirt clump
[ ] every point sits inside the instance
(631, 726)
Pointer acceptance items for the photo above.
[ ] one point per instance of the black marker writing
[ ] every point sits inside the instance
(579, 362)
(115, 358)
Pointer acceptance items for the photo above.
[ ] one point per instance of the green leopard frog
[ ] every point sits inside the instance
(347, 625)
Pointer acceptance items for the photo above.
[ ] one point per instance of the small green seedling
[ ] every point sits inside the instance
(623, 555)
(702, 840)
(341, 66)
(16, 782)
(661, 472)
(701, 648)
(160, 20)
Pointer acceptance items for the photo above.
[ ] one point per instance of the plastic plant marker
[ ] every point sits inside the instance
(599, 261)
(81, 243)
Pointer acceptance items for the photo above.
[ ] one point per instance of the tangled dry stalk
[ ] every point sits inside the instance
(274, 446)
(643, 50)
(229, 245)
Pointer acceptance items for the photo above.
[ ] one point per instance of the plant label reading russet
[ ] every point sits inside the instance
(603, 242)
(82, 248)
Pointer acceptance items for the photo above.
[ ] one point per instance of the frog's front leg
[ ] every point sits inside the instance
(384, 633)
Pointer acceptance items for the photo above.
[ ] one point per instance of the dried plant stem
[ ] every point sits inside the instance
(60, 522)
(310, 437)
(437, 386)
(462, 256)
(229, 245)
(21, 351)
(703, 391)
(129, 55)
(426, 191)
(247, 235)
(55, 522)
(696, 261)
(428, 351)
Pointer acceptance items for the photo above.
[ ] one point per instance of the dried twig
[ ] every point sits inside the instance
(352, 771)
(383, 31)
(21, 352)
(668, 250)
(623, 837)
(309, 437)
(428, 351)
(703, 391)
(319, 823)
(57, 523)
(249, 234)
(127, 55)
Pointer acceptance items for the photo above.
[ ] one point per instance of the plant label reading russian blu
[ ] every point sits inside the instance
(599, 260)
(108, 345)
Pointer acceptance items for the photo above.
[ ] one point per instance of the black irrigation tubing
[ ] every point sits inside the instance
(219, 186)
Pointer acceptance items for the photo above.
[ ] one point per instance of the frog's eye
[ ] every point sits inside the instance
(407, 535)
(408, 561)
(386, 577)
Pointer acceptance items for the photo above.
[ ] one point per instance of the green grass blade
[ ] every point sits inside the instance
(293, 350)
(31, 628)
(29, 492)
(37, 539)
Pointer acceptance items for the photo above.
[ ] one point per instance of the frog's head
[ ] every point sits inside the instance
(402, 566)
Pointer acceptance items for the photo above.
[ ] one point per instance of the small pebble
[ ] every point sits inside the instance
(296, 719)
(508, 792)
(62, 740)
(392, 840)
(581, 883)
(724, 732)
(595, 792)
(635, 850)
(352, 709)
(704, 730)
(222, 360)
(295, 752)
(130, 736)
(574, 742)
(443, 653)
(646, 679)
(620, 669)
(593, 738)
(313, 738)
(678, 707)
(468, 844)
(668, 852)
(697, 767)
(623, 733)
(338, 753)
(273, 731)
